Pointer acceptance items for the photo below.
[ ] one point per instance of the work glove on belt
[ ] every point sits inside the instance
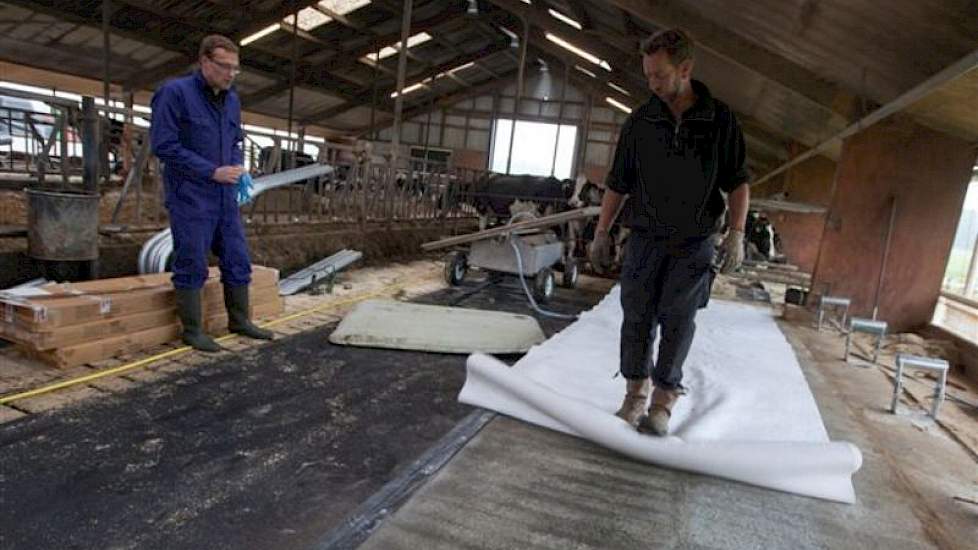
(732, 250)
(600, 252)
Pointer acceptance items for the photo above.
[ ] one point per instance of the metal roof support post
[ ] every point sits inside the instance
(90, 145)
(291, 161)
(560, 117)
(373, 100)
(399, 100)
(106, 52)
(519, 90)
(585, 133)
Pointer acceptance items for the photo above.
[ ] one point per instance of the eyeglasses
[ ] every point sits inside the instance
(226, 67)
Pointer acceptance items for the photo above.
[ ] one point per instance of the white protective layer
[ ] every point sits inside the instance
(748, 416)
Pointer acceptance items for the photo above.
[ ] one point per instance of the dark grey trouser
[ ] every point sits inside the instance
(662, 285)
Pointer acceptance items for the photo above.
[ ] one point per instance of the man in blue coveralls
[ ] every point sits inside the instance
(196, 133)
(680, 159)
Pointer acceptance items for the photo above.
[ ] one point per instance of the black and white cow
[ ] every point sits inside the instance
(413, 184)
(761, 240)
(498, 197)
(591, 194)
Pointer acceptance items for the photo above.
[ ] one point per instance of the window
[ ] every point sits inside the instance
(539, 148)
(957, 309)
(388, 51)
(961, 276)
(318, 15)
(435, 158)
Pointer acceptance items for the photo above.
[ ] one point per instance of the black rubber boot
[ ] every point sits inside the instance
(236, 301)
(188, 308)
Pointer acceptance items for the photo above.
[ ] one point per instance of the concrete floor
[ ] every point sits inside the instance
(519, 486)
(269, 445)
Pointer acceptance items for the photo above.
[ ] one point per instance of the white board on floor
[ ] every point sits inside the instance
(439, 329)
(749, 414)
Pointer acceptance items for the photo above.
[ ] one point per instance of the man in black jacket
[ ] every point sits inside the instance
(681, 160)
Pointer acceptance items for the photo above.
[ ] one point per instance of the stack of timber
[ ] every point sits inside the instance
(70, 324)
(774, 273)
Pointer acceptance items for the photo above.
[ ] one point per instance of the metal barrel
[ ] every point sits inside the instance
(62, 226)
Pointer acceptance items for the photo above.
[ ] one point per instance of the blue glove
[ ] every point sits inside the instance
(245, 185)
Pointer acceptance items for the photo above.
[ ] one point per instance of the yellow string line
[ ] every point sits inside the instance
(142, 362)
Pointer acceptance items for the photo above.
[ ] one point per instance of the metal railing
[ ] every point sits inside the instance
(366, 190)
(46, 151)
(36, 148)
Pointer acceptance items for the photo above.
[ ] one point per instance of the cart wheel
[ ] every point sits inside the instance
(571, 273)
(456, 264)
(544, 284)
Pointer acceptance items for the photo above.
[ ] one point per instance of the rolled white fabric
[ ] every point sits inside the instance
(749, 417)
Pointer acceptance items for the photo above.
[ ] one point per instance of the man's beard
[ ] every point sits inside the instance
(669, 96)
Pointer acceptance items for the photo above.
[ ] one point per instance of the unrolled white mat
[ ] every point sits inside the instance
(749, 414)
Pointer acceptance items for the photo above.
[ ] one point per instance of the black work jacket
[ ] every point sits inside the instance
(676, 173)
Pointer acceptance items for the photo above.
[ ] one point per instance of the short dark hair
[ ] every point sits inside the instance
(215, 41)
(677, 43)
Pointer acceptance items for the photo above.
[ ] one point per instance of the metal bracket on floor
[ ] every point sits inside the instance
(368, 517)
(317, 273)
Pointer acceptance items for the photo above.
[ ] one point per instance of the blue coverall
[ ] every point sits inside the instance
(194, 131)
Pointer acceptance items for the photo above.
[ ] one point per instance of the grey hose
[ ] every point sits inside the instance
(526, 289)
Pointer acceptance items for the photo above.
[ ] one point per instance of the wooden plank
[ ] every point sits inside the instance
(260, 275)
(36, 314)
(80, 333)
(773, 277)
(108, 347)
(70, 335)
(108, 298)
(546, 221)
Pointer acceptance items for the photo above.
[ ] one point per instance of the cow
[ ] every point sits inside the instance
(494, 196)
(762, 241)
(591, 194)
(412, 185)
(498, 197)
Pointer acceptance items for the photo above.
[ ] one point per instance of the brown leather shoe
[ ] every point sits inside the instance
(657, 421)
(636, 398)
